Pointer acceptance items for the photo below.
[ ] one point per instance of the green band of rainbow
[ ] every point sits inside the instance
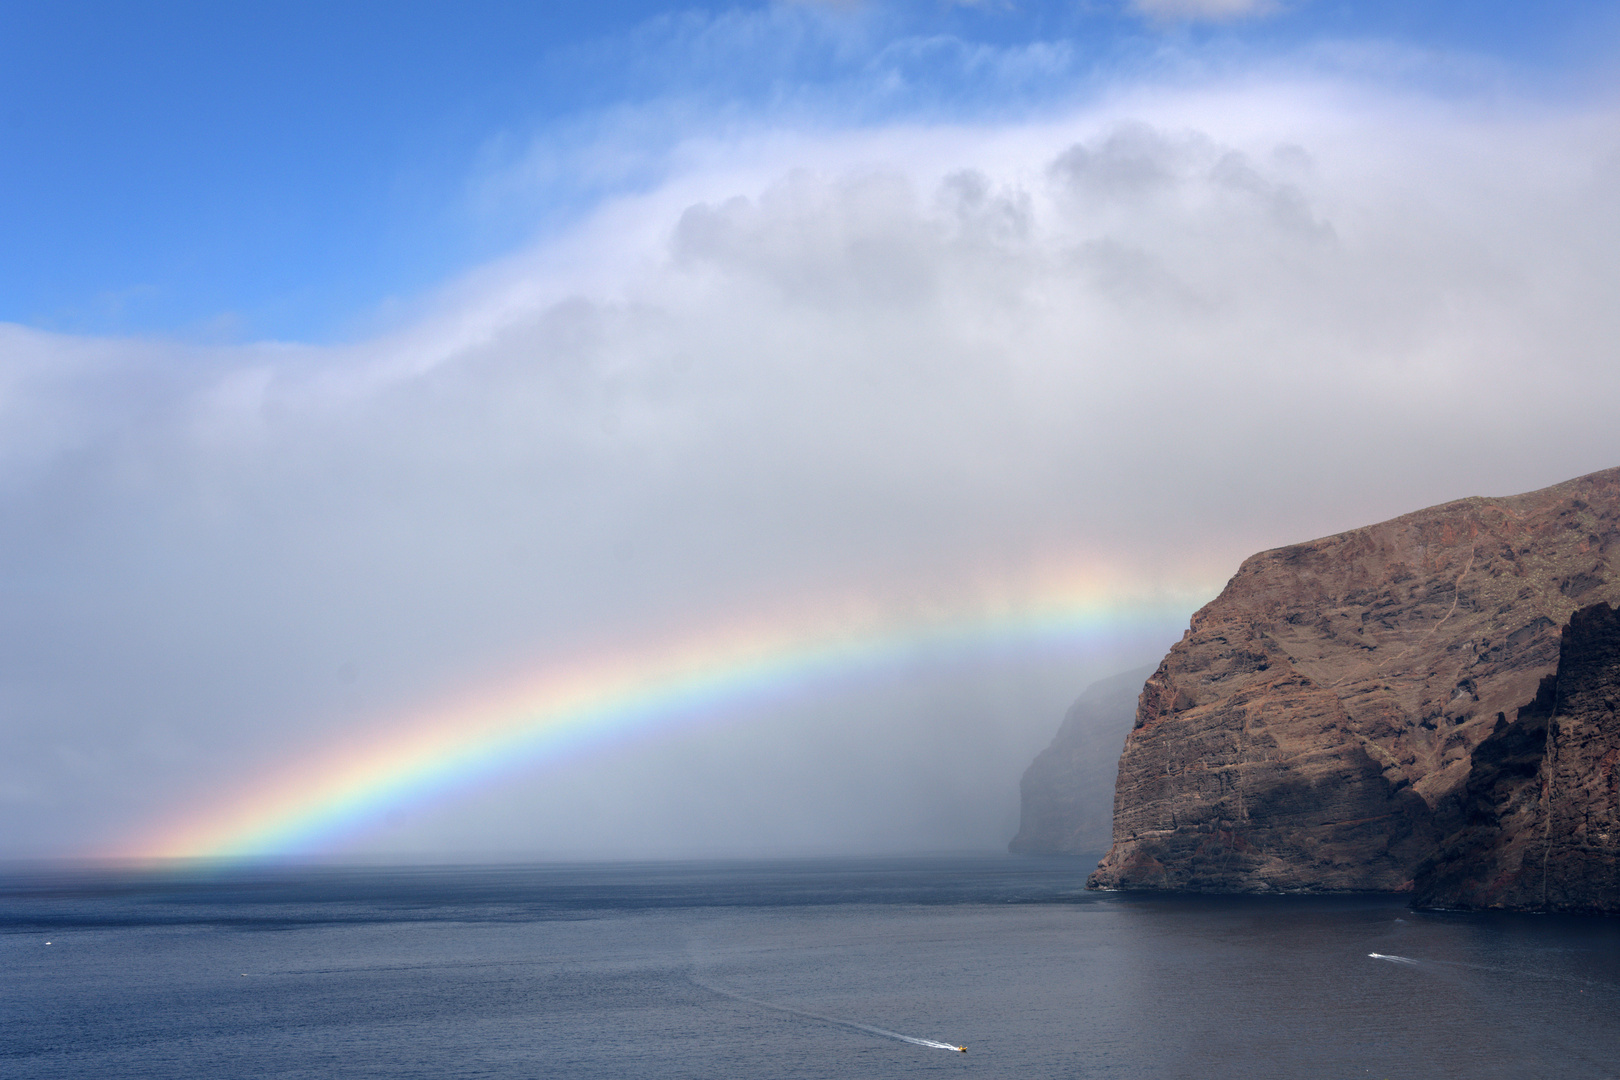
(571, 708)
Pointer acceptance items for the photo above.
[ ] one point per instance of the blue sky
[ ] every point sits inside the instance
(239, 171)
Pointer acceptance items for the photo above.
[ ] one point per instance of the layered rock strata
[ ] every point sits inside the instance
(1542, 801)
(1068, 790)
(1313, 730)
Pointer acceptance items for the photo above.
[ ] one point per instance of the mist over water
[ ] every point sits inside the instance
(815, 968)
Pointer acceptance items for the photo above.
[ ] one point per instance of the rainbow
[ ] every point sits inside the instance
(574, 706)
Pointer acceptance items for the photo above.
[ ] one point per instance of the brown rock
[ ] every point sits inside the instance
(1313, 729)
(1068, 790)
(1543, 798)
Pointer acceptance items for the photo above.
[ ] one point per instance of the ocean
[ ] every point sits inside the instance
(808, 968)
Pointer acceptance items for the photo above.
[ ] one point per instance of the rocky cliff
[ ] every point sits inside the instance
(1314, 728)
(1542, 800)
(1068, 791)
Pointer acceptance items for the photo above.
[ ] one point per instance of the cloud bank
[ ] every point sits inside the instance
(1146, 338)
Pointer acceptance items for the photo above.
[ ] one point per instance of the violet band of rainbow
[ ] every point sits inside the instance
(572, 708)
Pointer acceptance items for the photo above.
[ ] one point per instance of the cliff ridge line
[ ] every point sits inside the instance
(1314, 728)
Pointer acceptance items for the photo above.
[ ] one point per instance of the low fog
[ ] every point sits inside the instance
(916, 365)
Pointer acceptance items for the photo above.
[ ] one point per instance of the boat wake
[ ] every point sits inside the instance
(868, 1028)
(1393, 959)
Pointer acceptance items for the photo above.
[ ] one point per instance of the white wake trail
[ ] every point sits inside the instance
(1393, 959)
(885, 1032)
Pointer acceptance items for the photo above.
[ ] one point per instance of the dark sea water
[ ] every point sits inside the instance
(783, 969)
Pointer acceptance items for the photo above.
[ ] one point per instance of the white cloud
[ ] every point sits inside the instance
(1159, 334)
(1215, 10)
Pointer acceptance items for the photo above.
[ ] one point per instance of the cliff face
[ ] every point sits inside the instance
(1314, 727)
(1542, 802)
(1068, 791)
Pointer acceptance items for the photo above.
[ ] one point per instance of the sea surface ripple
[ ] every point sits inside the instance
(760, 970)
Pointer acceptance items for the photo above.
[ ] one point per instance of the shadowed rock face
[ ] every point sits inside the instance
(1068, 791)
(1542, 803)
(1313, 729)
